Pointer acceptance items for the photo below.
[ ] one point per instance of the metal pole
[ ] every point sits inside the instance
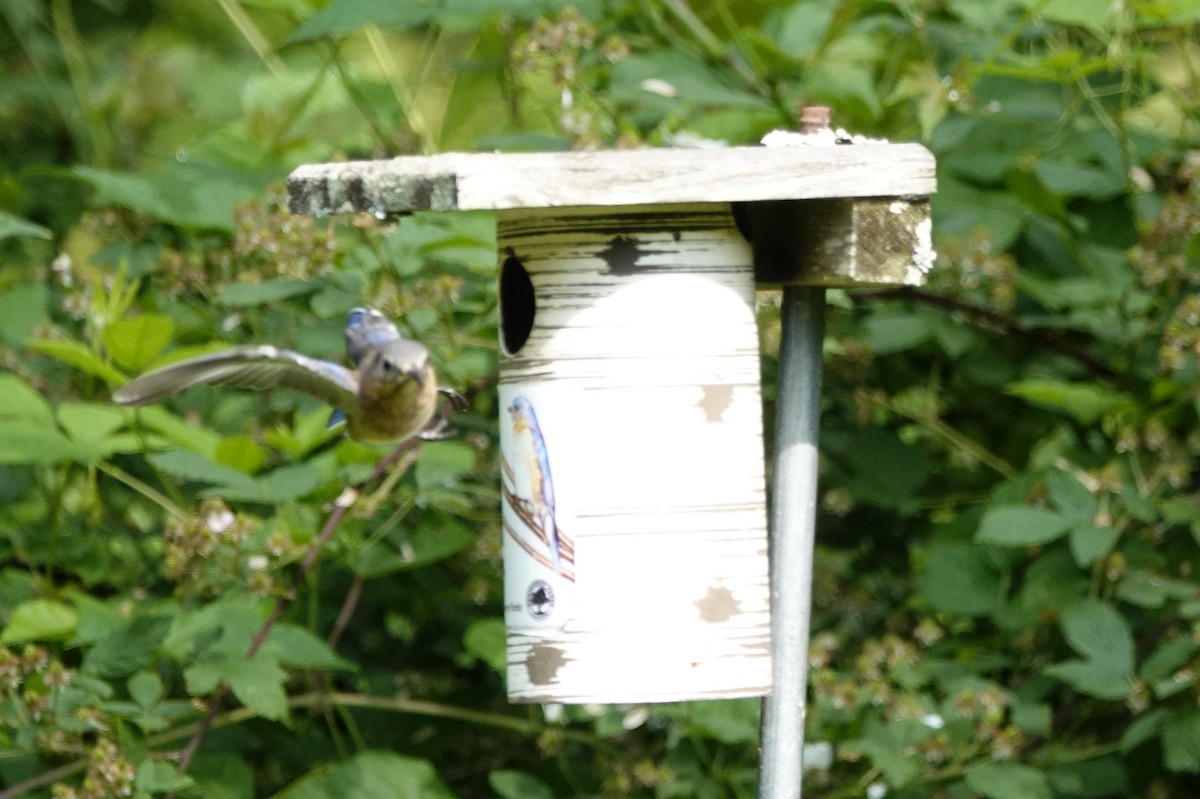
(793, 524)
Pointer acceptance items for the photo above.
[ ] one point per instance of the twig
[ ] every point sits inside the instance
(348, 606)
(38, 780)
(1003, 322)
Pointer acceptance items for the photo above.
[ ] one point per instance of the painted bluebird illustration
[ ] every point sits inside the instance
(533, 460)
(389, 396)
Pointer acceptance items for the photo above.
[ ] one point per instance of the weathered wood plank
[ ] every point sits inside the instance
(495, 181)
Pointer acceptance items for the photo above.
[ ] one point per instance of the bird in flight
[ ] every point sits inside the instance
(390, 395)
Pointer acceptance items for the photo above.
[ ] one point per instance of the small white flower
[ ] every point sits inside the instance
(818, 756)
(257, 562)
(635, 717)
(876, 790)
(659, 87)
(218, 521)
(933, 721)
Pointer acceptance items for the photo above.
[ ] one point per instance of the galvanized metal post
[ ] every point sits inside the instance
(792, 532)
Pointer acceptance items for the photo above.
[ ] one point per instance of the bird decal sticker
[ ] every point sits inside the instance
(529, 490)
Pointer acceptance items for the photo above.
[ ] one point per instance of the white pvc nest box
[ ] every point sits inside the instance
(634, 508)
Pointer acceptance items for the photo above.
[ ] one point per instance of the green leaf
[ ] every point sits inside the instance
(1091, 14)
(1091, 677)
(22, 308)
(370, 775)
(1070, 496)
(889, 333)
(1090, 779)
(1167, 659)
(1020, 526)
(199, 440)
(442, 463)
(1181, 742)
(1142, 729)
(20, 442)
(242, 453)
(39, 620)
(687, 79)
(1008, 781)
(16, 227)
(897, 768)
(20, 403)
(74, 353)
(960, 579)
(157, 776)
(222, 775)
(344, 16)
(1090, 543)
(878, 467)
(1085, 402)
(134, 343)
(297, 646)
(191, 195)
(251, 294)
(427, 544)
(131, 647)
(729, 721)
(1033, 717)
(1079, 180)
(257, 682)
(486, 640)
(145, 688)
(1095, 630)
(1144, 589)
(804, 26)
(518, 785)
(280, 485)
(91, 427)
(191, 466)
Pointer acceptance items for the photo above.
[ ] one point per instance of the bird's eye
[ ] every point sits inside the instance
(386, 364)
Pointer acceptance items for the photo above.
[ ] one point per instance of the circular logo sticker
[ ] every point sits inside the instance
(539, 600)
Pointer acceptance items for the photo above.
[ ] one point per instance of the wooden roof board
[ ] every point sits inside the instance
(495, 181)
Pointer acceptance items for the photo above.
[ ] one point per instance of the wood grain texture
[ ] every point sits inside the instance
(643, 365)
(496, 181)
(871, 241)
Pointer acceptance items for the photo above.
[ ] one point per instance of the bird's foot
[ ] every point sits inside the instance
(438, 429)
(456, 399)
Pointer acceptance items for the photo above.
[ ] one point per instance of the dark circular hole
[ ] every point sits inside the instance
(517, 305)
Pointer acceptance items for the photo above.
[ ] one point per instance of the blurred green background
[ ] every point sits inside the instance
(1006, 598)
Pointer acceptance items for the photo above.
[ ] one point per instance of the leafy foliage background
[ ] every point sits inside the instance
(1007, 597)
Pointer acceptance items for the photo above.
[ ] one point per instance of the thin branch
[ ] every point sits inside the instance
(1005, 323)
(44, 778)
(347, 611)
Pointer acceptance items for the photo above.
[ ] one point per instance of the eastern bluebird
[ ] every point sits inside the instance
(532, 458)
(389, 396)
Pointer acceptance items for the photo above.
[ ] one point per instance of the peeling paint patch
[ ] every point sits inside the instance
(716, 401)
(717, 605)
(621, 255)
(543, 663)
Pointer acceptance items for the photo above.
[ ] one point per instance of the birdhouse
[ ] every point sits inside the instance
(634, 513)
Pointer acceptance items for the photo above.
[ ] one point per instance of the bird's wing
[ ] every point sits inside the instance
(258, 367)
(367, 329)
(539, 448)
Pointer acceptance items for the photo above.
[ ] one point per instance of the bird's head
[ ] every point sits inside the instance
(521, 410)
(397, 364)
